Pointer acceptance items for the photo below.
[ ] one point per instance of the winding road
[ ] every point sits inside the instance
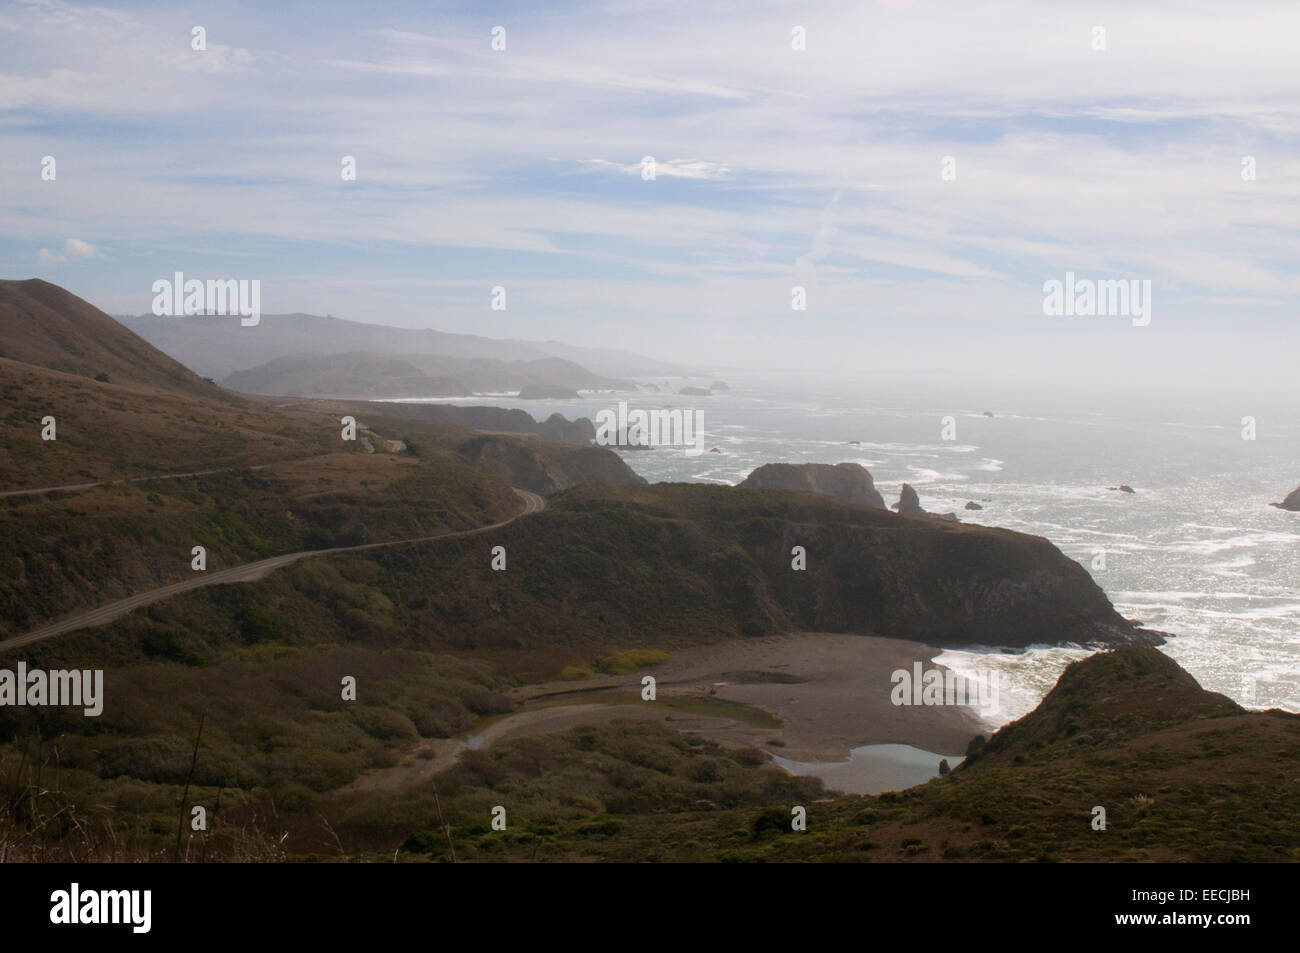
(244, 573)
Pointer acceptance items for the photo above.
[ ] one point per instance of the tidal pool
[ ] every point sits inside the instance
(873, 769)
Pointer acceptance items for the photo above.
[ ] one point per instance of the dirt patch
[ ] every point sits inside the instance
(812, 696)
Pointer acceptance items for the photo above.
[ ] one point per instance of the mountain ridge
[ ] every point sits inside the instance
(217, 346)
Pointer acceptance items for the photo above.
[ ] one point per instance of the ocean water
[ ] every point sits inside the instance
(873, 769)
(1196, 551)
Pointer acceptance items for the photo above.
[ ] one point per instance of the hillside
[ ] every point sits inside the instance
(44, 325)
(360, 374)
(1184, 775)
(437, 638)
(184, 463)
(658, 565)
(215, 346)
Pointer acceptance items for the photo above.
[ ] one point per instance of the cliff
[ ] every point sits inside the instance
(542, 467)
(849, 482)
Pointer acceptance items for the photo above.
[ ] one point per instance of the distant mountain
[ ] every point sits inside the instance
(43, 325)
(115, 460)
(613, 362)
(217, 346)
(412, 375)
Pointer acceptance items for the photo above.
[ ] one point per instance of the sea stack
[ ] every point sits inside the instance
(1292, 501)
(909, 504)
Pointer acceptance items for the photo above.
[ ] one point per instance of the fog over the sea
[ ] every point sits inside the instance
(921, 169)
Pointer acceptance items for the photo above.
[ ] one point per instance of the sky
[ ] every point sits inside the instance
(921, 169)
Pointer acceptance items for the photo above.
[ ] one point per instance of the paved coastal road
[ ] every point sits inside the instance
(245, 573)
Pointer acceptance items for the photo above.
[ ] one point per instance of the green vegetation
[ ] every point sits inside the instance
(632, 660)
(435, 640)
(589, 791)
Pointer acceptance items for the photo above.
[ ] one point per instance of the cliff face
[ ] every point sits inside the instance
(868, 571)
(930, 580)
(496, 419)
(844, 481)
(545, 468)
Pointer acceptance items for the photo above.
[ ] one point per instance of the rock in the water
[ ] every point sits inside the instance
(714, 450)
(972, 505)
(988, 413)
(943, 766)
(1123, 488)
(909, 504)
(1292, 501)
(849, 482)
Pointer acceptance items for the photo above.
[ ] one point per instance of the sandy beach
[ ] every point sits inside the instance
(811, 697)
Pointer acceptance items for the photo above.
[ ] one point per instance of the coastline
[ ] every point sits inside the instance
(830, 693)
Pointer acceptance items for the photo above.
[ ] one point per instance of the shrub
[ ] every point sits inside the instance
(631, 660)
(384, 724)
(296, 799)
(771, 819)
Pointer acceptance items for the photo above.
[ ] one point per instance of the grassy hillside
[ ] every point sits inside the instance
(287, 480)
(44, 325)
(1184, 775)
(440, 635)
(435, 638)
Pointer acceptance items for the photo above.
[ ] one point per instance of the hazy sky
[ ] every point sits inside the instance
(775, 167)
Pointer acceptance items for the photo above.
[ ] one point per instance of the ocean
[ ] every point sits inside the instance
(1195, 551)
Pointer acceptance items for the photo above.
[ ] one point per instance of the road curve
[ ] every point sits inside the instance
(243, 573)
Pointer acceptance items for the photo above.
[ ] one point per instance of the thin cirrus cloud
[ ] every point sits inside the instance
(525, 165)
(673, 168)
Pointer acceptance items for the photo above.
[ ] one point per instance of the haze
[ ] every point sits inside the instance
(775, 167)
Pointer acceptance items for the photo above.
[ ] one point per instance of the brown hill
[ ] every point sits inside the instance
(153, 461)
(45, 325)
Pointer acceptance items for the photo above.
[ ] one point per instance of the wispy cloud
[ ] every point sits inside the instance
(523, 166)
(72, 248)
